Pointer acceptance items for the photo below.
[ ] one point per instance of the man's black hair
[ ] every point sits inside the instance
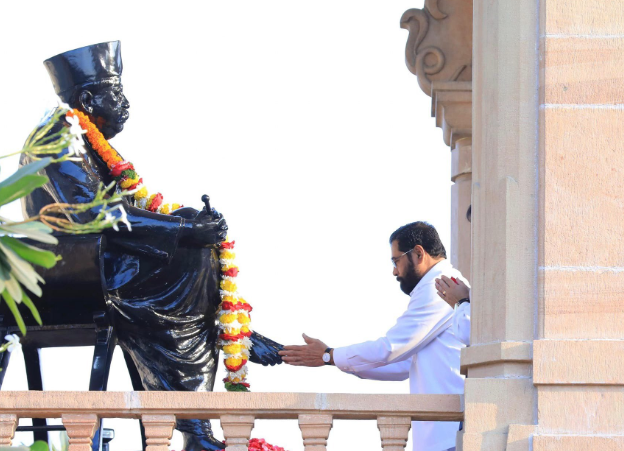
(419, 233)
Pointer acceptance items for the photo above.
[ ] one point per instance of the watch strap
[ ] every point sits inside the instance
(328, 351)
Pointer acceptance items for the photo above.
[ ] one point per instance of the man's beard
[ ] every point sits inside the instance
(411, 279)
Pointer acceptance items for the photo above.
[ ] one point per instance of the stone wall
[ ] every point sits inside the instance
(578, 363)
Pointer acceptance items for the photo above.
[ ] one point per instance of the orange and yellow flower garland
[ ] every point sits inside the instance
(234, 319)
(122, 171)
(234, 322)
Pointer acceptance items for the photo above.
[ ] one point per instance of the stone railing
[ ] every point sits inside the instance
(81, 412)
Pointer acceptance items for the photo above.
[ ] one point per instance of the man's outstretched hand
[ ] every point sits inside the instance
(310, 354)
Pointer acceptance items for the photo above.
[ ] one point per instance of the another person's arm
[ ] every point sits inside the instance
(457, 295)
(452, 290)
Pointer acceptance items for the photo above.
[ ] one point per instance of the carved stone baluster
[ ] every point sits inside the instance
(315, 431)
(394, 432)
(237, 430)
(158, 431)
(80, 429)
(8, 424)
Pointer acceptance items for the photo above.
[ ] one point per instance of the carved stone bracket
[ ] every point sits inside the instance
(439, 45)
(451, 105)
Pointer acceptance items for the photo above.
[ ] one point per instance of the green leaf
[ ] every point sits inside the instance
(4, 272)
(29, 169)
(13, 288)
(30, 253)
(28, 283)
(21, 187)
(39, 445)
(16, 314)
(235, 387)
(31, 306)
(34, 230)
(22, 270)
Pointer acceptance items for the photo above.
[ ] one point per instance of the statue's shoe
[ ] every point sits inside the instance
(198, 443)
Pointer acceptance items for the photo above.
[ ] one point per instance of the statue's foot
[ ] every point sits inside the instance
(194, 442)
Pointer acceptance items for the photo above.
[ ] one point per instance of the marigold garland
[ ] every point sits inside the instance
(234, 322)
(234, 319)
(122, 171)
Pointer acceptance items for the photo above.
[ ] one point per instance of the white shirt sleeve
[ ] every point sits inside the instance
(425, 318)
(461, 323)
(398, 371)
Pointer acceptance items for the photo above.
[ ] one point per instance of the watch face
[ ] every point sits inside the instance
(326, 357)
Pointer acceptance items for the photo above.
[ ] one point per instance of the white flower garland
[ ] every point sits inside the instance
(234, 322)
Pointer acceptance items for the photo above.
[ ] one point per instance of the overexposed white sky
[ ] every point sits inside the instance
(301, 122)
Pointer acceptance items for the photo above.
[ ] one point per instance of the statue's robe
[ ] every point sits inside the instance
(163, 295)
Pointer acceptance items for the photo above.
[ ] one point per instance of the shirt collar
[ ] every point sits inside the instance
(435, 271)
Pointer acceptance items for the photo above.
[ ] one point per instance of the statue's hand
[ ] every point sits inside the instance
(264, 350)
(210, 229)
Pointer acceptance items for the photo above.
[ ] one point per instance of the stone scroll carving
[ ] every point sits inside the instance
(439, 45)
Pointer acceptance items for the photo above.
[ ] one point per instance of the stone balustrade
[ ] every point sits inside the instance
(82, 411)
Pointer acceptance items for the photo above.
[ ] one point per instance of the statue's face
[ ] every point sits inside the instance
(108, 108)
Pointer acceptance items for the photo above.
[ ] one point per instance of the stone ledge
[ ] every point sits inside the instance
(493, 353)
(578, 362)
(185, 405)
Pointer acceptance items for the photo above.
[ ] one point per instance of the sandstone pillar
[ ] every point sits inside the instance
(500, 399)
(461, 199)
(578, 357)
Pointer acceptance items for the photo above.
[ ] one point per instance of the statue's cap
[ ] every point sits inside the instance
(90, 64)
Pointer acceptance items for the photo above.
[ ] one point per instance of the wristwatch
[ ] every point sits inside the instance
(327, 356)
(461, 301)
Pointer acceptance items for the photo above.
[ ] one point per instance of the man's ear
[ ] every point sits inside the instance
(85, 99)
(419, 251)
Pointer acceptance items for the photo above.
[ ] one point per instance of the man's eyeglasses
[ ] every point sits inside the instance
(396, 259)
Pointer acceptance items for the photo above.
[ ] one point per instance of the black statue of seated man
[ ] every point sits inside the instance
(162, 277)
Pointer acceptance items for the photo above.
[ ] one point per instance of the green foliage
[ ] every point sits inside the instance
(17, 274)
(39, 445)
(17, 258)
(235, 387)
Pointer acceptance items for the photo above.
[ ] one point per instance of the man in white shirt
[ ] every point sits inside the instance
(421, 345)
